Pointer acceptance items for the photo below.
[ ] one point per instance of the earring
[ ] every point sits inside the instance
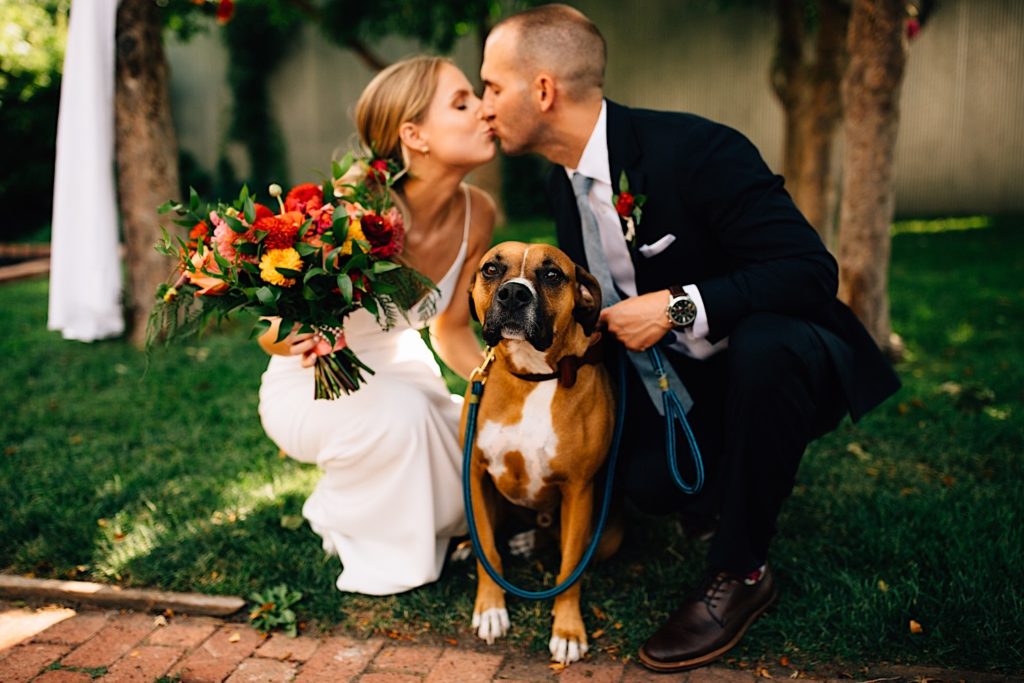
(426, 151)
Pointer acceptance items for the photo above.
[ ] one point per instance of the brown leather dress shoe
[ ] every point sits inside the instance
(709, 623)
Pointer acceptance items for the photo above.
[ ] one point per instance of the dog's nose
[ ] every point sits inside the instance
(514, 296)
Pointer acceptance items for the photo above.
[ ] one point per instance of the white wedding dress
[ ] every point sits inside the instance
(390, 497)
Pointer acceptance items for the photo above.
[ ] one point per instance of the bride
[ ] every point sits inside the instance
(390, 496)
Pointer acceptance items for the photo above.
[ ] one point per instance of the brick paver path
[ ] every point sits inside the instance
(127, 647)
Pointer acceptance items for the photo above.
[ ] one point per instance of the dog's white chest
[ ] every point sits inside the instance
(533, 437)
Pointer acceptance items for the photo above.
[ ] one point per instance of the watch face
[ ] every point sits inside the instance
(683, 311)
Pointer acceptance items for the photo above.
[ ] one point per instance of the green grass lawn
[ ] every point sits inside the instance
(155, 472)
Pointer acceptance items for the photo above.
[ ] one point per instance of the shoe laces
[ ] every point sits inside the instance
(715, 589)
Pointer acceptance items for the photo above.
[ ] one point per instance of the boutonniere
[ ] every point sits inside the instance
(628, 206)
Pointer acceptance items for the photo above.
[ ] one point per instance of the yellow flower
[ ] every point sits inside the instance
(355, 232)
(279, 258)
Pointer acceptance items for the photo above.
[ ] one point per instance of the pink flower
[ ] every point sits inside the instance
(225, 239)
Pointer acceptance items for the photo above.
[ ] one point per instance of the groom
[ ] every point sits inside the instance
(722, 271)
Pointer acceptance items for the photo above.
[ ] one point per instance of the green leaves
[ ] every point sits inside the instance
(345, 287)
(268, 296)
(272, 609)
(340, 168)
(385, 266)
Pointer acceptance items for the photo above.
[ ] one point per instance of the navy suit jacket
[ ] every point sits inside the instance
(738, 236)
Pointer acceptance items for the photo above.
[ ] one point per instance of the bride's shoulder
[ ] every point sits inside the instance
(483, 209)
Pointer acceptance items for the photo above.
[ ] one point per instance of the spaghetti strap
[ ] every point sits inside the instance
(469, 210)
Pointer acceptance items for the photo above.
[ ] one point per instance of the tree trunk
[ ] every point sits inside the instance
(147, 153)
(808, 88)
(871, 93)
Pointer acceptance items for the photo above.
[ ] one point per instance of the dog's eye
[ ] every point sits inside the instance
(489, 270)
(553, 277)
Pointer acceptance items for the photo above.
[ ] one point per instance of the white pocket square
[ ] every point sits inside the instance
(649, 250)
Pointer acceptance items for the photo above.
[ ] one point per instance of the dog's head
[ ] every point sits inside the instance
(533, 293)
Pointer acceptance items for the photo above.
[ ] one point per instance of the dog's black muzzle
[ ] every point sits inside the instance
(515, 313)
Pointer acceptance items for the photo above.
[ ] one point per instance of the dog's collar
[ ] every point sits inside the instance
(567, 368)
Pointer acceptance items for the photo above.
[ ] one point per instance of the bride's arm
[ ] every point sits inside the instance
(453, 337)
(292, 345)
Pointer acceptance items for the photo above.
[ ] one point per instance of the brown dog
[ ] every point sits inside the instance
(545, 420)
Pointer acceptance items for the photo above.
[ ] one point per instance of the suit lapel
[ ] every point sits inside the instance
(624, 153)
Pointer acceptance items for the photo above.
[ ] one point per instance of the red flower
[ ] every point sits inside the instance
(379, 170)
(360, 283)
(305, 198)
(913, 27)
(385, 241)
(225, 10)
(624, 204)
(262, 211)
(280, 232)
(200, 234)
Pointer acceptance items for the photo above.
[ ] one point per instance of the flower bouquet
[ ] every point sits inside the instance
(327, 250)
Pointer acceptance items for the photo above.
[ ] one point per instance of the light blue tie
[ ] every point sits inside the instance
(598, 266)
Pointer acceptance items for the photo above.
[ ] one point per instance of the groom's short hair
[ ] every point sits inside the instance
(563, 40)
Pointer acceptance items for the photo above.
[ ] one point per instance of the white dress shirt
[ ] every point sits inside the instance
(594, 164)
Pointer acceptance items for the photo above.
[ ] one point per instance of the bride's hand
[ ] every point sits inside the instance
(310, 345)
(306, 345)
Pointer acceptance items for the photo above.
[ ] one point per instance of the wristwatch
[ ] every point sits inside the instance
(681, 310)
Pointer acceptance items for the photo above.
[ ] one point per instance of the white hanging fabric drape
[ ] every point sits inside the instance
(85, 268)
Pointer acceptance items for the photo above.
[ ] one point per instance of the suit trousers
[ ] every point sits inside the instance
(757, 405)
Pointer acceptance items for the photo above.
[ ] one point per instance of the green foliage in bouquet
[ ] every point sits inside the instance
(328, 251)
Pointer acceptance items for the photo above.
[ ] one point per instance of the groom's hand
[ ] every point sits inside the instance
(639, 322)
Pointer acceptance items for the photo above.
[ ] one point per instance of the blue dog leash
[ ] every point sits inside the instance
(673, 412)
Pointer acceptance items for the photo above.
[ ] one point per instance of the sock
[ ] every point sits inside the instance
(755, 576)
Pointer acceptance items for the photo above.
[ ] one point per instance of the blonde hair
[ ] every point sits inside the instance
(399, 94)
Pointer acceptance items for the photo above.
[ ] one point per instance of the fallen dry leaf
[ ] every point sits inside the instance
(597, 634)
(451, 641)
(557, 667)
(883, 586)
(762, 672)
(599, 613)
(915, 627)
(856, 449)
(235, 637)
(784, 661)
(160, 620)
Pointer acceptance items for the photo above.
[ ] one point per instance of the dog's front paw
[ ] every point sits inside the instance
(491, 624)
(566, 650)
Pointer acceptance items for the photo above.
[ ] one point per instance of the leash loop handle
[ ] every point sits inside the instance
(674, 413)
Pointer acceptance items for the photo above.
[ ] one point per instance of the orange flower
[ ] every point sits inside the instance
(206, 274)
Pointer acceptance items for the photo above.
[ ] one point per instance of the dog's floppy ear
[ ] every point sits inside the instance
(588, 301)
(472, 304)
